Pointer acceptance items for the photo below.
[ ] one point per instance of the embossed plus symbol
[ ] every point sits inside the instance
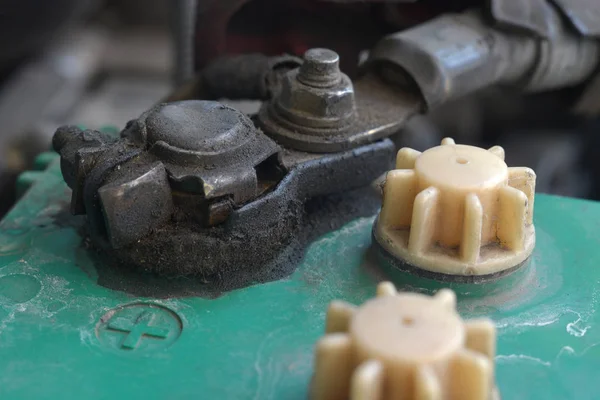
(139, 327)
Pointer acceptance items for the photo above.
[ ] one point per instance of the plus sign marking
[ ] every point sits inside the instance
(139, 327)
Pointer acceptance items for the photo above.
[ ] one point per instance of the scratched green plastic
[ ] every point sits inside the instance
(256, 343)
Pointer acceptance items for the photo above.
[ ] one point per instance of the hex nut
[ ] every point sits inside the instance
(315, 107)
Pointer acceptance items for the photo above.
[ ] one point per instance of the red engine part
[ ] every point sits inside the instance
(274, 27)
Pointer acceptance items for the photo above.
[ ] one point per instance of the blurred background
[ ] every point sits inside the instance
(99, 63)
(85, 62)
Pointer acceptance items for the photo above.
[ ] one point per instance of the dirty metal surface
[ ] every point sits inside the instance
(64, 336)
(380, 111)
(222, 204)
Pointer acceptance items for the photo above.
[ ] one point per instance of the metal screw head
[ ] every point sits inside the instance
(321, 68)
(309, 106)
(316, 95)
